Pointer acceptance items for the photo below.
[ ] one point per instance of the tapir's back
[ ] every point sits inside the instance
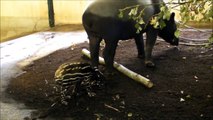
(101, 18)
(110, 8)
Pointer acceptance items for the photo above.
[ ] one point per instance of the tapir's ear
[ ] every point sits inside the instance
(172, 16)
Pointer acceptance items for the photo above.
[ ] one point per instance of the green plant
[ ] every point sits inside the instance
(189, 10)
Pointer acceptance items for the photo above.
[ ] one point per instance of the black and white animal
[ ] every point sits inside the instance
(75, 79)
(101, 21)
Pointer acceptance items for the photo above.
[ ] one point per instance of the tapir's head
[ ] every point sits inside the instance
(168, 32)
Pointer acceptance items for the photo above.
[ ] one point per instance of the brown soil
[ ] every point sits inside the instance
(182, 86)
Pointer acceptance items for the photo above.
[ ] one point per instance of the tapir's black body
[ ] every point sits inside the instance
(101, 21)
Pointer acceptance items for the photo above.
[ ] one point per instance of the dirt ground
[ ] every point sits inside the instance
(183, 85)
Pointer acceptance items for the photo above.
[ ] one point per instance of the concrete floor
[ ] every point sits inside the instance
(22, 51)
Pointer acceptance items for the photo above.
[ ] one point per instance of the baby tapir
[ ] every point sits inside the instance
(74, 80)
(101, 21)
(77, 78)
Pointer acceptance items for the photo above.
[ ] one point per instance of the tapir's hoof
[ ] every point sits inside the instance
(43, 115)
(141, 56)
(109, 73)
(149, 64)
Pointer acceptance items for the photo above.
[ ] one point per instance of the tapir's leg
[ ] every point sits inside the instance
(150, 42)
(140, 46)
(94, 44)
(109, 54)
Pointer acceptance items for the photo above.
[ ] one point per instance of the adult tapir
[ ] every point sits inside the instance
(101, 21)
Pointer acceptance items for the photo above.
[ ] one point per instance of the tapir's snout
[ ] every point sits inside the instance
(175, 41)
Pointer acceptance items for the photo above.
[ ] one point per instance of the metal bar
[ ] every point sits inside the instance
(51, 13)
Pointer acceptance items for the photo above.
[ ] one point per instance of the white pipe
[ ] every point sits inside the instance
(135, 76)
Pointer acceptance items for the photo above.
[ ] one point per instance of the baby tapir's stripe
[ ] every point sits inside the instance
(74, 77)
(71, 72)
(72, 68)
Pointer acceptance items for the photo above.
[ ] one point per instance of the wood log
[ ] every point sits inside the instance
(135, 76)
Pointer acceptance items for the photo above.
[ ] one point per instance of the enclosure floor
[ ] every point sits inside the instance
(22, 51)
(182, 79)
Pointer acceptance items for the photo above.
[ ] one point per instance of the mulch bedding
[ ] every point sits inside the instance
(183, 88)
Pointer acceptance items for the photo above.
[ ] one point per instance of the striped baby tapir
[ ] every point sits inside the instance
(78, 78)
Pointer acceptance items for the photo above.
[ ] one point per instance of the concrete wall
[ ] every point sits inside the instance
(22, 17)
(70, 11)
